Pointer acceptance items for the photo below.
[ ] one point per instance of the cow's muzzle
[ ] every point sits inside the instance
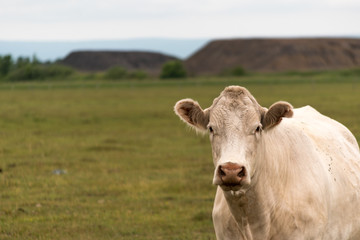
(230, 176)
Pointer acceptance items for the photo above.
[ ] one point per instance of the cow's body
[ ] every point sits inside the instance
(298, 179)
(316, 192)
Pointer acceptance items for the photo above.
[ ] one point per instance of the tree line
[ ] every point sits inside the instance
(27, 69)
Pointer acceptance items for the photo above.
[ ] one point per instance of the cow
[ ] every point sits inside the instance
(281, 173)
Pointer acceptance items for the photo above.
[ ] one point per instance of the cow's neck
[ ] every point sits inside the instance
(251, 212)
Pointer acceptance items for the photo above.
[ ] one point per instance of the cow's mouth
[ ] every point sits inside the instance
(230, 187)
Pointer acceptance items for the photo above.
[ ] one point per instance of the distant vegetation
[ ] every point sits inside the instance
(32, 69)
(173, 69)
(24, 69)
(118, 72)
(40, 72)
(28, 69)
(236, 72)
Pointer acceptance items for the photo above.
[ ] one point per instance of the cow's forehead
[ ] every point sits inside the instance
(234, 101)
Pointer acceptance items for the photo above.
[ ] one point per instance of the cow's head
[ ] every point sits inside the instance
(235, 123)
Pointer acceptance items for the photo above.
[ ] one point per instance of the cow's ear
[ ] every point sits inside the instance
(191, 113)
(275, 113)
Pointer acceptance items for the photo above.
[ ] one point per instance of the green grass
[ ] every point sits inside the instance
(133, 170)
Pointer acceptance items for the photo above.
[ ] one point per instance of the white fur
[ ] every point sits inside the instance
(306, 184)
(303, 174)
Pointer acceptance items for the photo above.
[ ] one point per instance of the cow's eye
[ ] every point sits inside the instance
(258, 129)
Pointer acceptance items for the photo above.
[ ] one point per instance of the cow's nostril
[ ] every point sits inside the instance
(241, 173)
(221, 172)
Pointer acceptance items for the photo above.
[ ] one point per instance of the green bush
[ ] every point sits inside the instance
(173, 69)
(6, 64)
(58, 71)
(39, 72)
(234, 72)
(138, 74)
(238, 71)
(116, 73)
(22, 62)
(28, 72)
(349, 72)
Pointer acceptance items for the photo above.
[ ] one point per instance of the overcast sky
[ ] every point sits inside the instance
(118, 19)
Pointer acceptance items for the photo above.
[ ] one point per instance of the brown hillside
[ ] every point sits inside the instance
(103, 60)
(275, 55)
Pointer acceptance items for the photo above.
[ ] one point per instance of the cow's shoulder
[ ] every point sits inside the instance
(314, 123)
(306, 111)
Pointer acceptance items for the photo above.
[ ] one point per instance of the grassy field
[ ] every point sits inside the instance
(110, 160)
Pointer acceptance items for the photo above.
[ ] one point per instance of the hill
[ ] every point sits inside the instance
(275, 55)
(102, 60)
(53, 50)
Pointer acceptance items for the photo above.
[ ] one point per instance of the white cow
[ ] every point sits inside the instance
(282, 173)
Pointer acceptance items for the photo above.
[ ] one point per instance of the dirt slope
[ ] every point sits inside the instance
(102, 60)
(275, 55)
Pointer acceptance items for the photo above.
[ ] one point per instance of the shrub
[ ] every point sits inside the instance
(39, 72)
(173, 69)
(6, 63)
(57, 71)
(138, 74)
(238, 71)
(235, 72)
(22, 62)
(28, 72)
(116, 73)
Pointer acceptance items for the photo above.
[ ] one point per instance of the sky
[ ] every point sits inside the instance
(78, 20)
